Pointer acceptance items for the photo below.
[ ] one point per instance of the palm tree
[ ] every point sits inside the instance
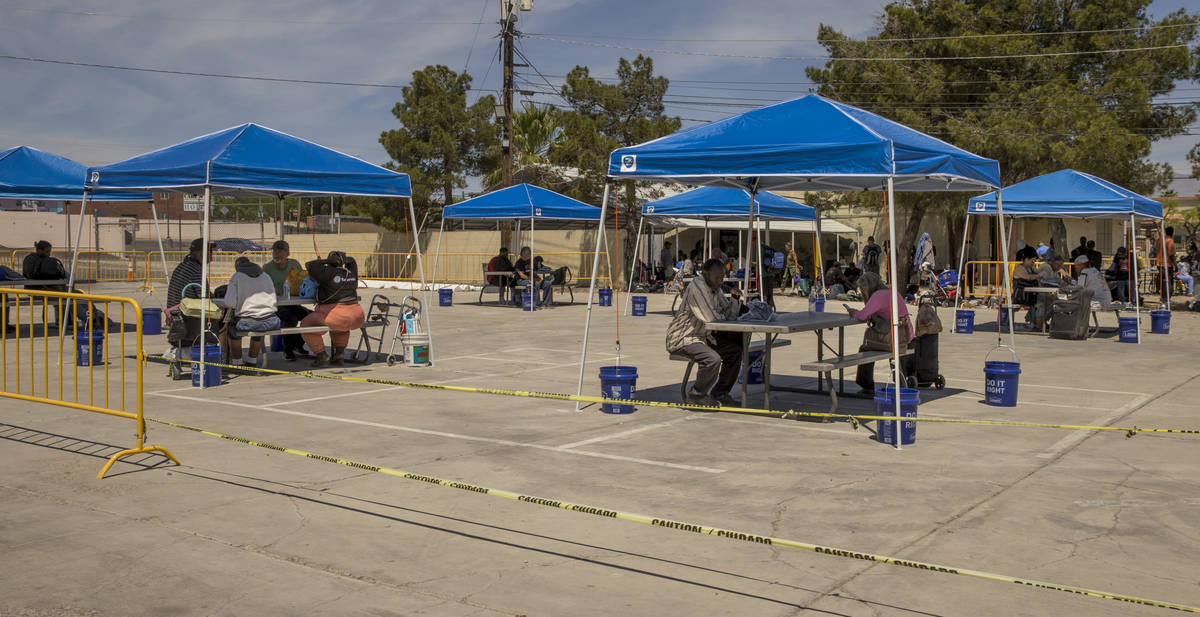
(535, 130)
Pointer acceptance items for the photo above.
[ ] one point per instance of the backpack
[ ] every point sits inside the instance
(871, 255)
(561, 276)
(494, 266)
(308, 288)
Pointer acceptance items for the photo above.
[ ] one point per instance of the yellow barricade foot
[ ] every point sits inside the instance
(142, 450)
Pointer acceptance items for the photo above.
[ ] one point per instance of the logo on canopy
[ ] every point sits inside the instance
(649, 209)
(537, 211)
(979, 206)
(629, 162)
(95, 176)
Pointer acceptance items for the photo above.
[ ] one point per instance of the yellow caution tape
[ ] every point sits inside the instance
(854, 419)
(690, 527)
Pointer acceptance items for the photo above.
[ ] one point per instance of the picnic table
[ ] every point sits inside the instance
(279, 301)
(787, 323)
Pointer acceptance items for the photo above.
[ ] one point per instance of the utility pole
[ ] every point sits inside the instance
(508, 22)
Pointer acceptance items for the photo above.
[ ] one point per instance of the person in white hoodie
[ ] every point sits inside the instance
(250, 296)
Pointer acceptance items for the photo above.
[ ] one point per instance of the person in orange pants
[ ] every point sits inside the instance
(337, 306)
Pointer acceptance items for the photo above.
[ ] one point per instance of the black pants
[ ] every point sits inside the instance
(289, 316)
(717, 366)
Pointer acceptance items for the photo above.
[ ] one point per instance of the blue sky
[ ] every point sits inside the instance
(99, 115)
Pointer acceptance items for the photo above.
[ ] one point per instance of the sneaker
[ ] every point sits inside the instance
(704, 400)
(727, 401)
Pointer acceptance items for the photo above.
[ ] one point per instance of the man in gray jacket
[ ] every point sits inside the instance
(717, 354)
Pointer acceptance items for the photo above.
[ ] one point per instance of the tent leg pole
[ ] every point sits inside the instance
(437, 255)
(962, 260)
(161, 252)
(412, 217)
(204, 255)
(637, 245)
(587, 323)
(1165, 293)
(895, 296)
(1136, 294)
(817, 252)
(78, 239)
(1012, 327)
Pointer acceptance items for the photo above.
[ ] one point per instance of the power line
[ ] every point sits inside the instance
(471, 49)
(1141, 77)
(217, 75)
(852, 59)
(887, 40)
(249, 19)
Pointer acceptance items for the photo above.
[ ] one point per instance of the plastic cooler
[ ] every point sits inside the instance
(212, 374)
(93, 356)
(885, 405)
(617, 382)
(639, 306)
(151, 320)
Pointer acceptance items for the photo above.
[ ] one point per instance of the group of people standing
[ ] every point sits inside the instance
(251, 302)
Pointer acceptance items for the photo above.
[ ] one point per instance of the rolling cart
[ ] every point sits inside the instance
(403, 316)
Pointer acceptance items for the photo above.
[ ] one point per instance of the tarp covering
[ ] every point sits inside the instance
(1067, 193)
(251, 159)
(718, 202)
(524, 201)
(809, 143)
(29, 173)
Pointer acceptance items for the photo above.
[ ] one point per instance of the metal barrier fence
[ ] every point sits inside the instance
(81, 361)
(982, 278)
(147, 266)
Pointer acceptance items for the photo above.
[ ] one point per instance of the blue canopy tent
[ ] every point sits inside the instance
(29, 173)
(719, 203)
(810, 143)
(251, 159)
(519, 202)
(1068, 193)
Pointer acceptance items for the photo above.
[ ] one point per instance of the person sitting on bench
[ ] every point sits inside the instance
(527, 277)
(878, 314)
(41, 265)
(337, 306)
(718, 355)
(250, 296)
(1091, 278)
(283, 269)
(500, 263)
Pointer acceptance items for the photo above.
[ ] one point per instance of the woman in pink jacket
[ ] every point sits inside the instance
(878, 312)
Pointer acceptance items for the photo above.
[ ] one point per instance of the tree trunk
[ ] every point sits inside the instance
(908, 241)
(1058, 235)
(629, 227)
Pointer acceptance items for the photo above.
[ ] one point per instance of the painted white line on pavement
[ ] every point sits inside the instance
(799, 425)
(1078, 436)
(503, 442)
(640, 429)
(322, 398)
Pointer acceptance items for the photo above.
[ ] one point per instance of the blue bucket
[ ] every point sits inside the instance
(1160, 322)
(84, 357)
(816, 305)
(639, 306)
(276, 342)
(605, 297)
(1000, 383)
(212, 374)
(1127, 329)
(885, 405)
(526, 301)
(964, 321)
(151, 320)
(617, 382)
(755, 374)
(445, 297)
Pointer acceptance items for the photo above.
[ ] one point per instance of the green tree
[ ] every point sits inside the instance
(604, 117)
(535, 131)
(442, 140)
(1082, 106)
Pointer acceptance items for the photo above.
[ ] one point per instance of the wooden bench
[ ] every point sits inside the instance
(687, 373)
(826, 367)
(262, 356)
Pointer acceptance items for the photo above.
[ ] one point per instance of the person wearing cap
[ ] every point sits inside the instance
(187, 272)
(1091, 278)
(282, 268)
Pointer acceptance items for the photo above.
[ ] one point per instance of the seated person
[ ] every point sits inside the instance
(1051, 272)
(878, 312)
(250, 300)
(337, 306)
(1091, 278)
(282, 268)
(1118, 275)
(835, 281)
(1183, 273)
(187, 272)
(524, 278)
(500, 263)
(718, 355)
(686, 270)
(850, 275)
(1023, 277)
(41, 265)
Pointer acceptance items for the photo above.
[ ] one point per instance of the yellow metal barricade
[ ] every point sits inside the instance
(221, 266)
(59, 348)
